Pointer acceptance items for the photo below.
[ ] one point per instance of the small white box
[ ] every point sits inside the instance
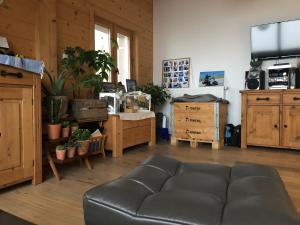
(113, 102)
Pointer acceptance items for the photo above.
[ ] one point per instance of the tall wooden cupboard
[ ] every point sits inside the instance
(20, 127)
(271, 118)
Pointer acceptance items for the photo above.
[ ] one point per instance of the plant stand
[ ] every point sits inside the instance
(52, 160)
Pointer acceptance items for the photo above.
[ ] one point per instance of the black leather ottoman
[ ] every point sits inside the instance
(165, 191)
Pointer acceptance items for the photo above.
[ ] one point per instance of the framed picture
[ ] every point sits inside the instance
(131, 85)
(211, 78)
(176, 73)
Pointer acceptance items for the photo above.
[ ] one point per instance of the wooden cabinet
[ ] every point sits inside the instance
(123, 134)
(20, 151)
(291, 126)
(199, 122)
(263, 125)
(271, 118)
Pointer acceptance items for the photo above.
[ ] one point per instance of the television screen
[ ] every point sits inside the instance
(290, 38)
(264, 41)
(275, 40)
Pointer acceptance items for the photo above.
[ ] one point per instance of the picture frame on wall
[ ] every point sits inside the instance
(176, 73)
(211, 78)
(131, 85)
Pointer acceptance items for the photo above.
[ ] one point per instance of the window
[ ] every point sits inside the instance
(123, 58)
(102, 38)
(104, 33)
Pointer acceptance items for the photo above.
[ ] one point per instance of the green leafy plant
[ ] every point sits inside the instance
(65, 124)
(60, 148)
(81, 135)
(56, 85)
(88, 68)
(159, 95)
(71, 143)
(54, 109)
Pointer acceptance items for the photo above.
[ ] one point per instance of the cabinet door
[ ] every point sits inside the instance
(16, 135)
(291, 126)
(263, 125)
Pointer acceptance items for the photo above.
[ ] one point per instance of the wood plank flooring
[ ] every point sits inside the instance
(60, 203)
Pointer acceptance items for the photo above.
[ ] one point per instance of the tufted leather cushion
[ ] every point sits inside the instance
(165, 191)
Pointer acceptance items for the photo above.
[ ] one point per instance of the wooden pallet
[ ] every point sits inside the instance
(216, 145)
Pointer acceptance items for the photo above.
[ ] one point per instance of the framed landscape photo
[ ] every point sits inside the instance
(176, 73)
(211, 78)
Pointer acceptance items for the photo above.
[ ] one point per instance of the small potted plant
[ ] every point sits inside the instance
(54, 125)
(71, 148)
(74, 127)
(82, 136)
(65, 128)
(60, 152)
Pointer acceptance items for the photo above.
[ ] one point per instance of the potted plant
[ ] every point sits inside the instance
(60, 152)
(88, 69)
(82, 136)
(74, 127)
(55, 89)
(54, 126)
(71, 148)
(159, 95)
(65, 128)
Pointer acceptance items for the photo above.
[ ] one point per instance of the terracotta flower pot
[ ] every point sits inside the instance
(71, 152)
(61, 154)
(54, 131)
(65, 132)
(83, 147)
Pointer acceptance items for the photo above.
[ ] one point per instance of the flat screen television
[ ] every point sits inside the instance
(276, 40)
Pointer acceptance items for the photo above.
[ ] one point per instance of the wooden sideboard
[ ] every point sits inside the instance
(122, 134)
(20, 126)
(199, 122)
(271, 118)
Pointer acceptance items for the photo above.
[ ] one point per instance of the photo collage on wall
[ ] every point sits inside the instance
(176, 73)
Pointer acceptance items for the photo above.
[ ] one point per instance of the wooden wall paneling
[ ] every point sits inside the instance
(18, 19)
(92, 28)
(46, 35)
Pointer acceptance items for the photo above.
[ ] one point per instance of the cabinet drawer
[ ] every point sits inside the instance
(189, 107)
(291, 99)
(193, 120)
(24, 79)
(263, 99)
(127, 124)
(202, 134)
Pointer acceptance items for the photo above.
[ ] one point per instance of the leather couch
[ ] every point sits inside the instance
(165, 191)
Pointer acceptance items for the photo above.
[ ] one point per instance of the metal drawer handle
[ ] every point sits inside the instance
(296, 98)
(3, 73)
(263, 99)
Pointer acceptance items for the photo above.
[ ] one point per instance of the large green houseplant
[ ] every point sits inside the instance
(159, 95)
(55, 89)
(87, 69)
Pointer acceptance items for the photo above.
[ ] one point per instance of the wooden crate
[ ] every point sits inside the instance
(199, 122)
(89, 110)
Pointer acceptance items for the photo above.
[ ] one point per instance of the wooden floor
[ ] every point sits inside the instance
(60, 203)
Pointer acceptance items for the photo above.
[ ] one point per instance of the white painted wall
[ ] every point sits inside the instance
(215, 34)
